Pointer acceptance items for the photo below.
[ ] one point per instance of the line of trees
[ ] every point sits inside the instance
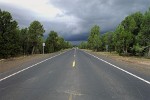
(15, 41)
(131, 37)
(55, 43)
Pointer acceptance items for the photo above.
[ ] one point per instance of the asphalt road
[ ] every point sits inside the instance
(73, 75)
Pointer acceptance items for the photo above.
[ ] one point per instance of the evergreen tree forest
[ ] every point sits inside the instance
(16, 42)
(130, 38)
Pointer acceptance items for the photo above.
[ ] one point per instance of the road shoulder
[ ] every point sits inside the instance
(140, 69)
(8, 66)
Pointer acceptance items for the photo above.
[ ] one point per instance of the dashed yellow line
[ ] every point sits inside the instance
(70, 97)
(74, 63)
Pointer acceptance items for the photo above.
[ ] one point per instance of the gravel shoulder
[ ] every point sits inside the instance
(137, 65)
(7, 65)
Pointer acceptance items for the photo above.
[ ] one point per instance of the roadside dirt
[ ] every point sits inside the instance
(11, 63)
(134, 60)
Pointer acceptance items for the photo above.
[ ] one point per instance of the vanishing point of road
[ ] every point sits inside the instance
(74, 75)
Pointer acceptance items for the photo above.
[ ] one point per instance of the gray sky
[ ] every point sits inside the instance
(73, 19)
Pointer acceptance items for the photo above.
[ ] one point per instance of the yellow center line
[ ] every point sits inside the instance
(70, 97)
(73, 65)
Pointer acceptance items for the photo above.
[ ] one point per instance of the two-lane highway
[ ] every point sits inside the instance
(74, 75)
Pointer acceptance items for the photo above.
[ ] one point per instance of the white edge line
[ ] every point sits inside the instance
(148, 82)
(73, 65)
(30, 67)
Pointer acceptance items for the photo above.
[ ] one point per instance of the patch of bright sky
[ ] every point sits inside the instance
(42, 7)
(43, 10)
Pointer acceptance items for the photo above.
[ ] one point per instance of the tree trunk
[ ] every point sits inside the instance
(149, 52)
(126, 52)
(123, 49)
(33, 50)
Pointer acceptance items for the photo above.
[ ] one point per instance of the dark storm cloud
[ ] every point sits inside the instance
(22, 16)
(86, 13)
(106, 13)
(77, 37)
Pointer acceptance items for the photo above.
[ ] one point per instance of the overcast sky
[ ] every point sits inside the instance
(73, 19)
